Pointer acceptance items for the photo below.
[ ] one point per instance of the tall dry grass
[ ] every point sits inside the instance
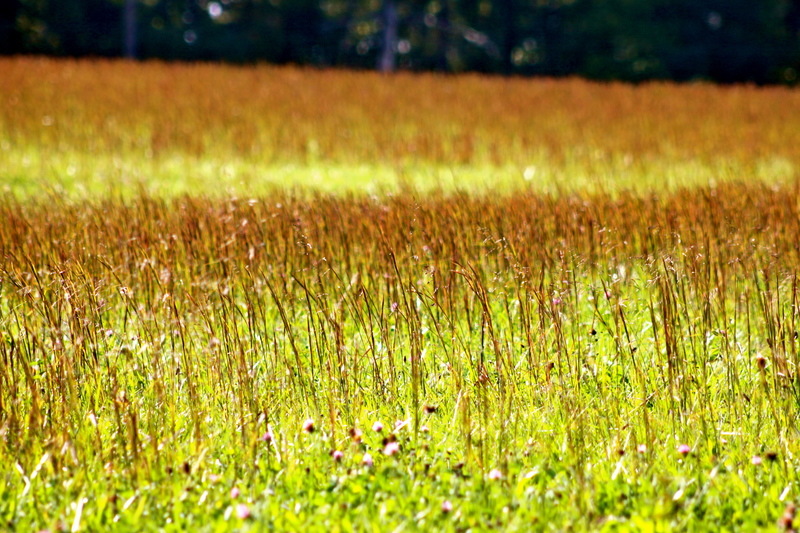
(252, 311)
(288, 114)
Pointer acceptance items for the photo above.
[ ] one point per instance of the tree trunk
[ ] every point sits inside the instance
(389, 19)
(445, 38)
(509, 41)
(129, 29)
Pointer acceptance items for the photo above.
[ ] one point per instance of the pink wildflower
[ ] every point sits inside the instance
(391, 448)
(243, 511)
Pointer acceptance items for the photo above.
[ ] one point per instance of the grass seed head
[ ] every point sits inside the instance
(356, 435)
(786, 522)
(771, 456)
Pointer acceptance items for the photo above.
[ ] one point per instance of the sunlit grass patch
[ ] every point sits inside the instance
(449, 361)
(31, 172)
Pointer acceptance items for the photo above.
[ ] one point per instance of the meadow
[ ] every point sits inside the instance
(279, 299)
(112, 128)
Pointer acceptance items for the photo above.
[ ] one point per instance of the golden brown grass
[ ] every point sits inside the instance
(277, 115)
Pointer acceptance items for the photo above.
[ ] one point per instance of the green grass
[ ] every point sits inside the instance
(31, 171)
(149, 346)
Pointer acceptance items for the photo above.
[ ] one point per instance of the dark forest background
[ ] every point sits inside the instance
(719, 40)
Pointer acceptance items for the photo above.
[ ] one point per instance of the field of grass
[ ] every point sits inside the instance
(111, 128)
(275, 299)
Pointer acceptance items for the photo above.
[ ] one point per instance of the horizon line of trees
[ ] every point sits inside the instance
(726, 41)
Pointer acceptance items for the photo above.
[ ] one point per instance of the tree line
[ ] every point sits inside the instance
(633, 40)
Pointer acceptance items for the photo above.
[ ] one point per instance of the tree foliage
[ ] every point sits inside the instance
(720, 40)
